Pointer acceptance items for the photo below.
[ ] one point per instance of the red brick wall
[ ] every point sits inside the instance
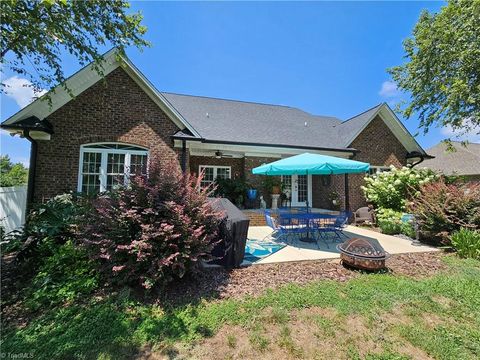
(320, 191)
(257, 180)
(379, 147)
(115, 110)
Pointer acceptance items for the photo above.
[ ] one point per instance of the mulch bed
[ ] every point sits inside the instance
(254, 280)
(219, 283)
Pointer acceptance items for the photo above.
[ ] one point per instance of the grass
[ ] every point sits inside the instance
(437, 316)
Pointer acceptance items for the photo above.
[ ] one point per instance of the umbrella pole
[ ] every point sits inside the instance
(347, 194)
(307, 191)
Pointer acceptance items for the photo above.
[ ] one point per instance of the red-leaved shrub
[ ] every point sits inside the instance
(155, 230)
(441, 209)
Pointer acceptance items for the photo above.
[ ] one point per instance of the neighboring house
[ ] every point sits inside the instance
(463, 161)
(84, 143)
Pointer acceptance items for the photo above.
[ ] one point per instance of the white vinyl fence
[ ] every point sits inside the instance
(13, 203)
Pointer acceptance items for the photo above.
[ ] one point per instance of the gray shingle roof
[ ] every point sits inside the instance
(247, 122)
(464, 161)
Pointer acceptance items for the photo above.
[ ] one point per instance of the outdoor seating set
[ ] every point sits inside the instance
(300, 224)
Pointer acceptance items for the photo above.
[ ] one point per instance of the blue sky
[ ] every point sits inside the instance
(327, 58)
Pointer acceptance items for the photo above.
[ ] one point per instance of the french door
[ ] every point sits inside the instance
(300, 188)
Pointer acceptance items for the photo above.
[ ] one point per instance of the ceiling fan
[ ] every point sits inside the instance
(219, 155)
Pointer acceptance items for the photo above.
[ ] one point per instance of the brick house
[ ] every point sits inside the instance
(111, 126)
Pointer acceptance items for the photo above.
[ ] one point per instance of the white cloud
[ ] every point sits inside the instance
(389, 90)
(21, 90)
(473, 135)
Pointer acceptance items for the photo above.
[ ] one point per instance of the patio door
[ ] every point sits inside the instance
(300, 187)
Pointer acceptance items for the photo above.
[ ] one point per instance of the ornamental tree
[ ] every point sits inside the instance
(155, 230)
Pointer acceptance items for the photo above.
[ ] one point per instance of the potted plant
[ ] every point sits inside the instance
(272, 185)
(232, 189)
(252, 193)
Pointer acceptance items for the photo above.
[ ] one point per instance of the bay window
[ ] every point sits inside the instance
(104, 166)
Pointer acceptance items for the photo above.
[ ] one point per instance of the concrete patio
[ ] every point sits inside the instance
(300, 251)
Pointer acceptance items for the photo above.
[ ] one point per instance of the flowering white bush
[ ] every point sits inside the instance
(391, 223)
(391, 189)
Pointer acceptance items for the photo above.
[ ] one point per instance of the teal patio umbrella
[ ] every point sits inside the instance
(313, 164)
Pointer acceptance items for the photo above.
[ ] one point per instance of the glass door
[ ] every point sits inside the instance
(299, 188)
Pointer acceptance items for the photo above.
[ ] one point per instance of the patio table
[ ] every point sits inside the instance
(296, 222)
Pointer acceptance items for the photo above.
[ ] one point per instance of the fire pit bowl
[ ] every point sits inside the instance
(361, 253)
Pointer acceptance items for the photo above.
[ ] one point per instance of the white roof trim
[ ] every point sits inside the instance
(395, 126)
(196, 147)
(87, 77)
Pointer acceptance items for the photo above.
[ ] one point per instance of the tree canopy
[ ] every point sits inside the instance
(12, 174)
(442, 72)
(36, 32)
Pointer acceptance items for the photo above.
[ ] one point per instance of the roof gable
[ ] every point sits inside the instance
(87, 77)
(350, 129)
(228, 120)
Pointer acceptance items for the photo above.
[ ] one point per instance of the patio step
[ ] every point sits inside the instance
(256, 217)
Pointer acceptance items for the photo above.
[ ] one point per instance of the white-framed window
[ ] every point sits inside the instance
(377, 169)
(106, 165)
(211, 173)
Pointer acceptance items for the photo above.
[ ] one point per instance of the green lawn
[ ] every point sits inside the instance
(373, 317)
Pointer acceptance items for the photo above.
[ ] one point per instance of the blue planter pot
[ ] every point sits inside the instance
(252, 194)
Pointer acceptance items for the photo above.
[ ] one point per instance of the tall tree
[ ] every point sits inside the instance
(36, 32)
(442, 72)
(12, 174)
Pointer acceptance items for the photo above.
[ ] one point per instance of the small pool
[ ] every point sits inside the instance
(256, 250)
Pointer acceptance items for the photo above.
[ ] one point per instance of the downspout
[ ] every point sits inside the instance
(184, 156)
(422, 158)
(32, 168)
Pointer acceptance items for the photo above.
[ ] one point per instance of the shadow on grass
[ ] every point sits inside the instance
(106, 329)
(123, 325)
(121, 328)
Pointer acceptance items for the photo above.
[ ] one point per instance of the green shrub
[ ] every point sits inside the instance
(467, 243)
(392, 189)
(408, 229)
(156, 230)
(442, 209)
(62, 277)
(390, 222)
(55, 217)
(52, 223)
(10, 242)
(232, 189)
